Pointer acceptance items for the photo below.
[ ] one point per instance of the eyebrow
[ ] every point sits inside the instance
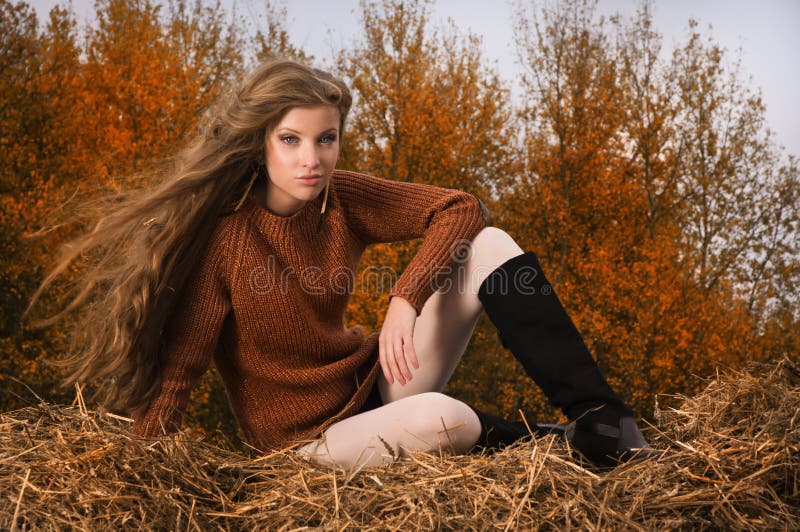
(333, 129)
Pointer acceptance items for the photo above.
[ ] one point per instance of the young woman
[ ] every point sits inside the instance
(245, 253)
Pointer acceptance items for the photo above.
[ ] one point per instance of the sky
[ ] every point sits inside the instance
(765, 30)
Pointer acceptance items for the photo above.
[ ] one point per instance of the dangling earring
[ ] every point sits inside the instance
(325, 199)
(324, 204)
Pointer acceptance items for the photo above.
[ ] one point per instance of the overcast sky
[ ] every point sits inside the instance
(766, 30)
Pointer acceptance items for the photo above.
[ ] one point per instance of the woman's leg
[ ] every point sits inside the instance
(535, 327)
(423, 422)
(445, 324)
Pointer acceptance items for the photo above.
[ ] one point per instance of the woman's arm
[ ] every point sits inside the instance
(192, 340)
(382, 210)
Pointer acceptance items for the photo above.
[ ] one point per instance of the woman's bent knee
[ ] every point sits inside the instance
(490, 248)
(445, 422)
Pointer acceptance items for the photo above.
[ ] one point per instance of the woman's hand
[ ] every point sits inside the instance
(396, 346)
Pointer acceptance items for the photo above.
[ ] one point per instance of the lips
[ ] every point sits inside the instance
(310, 179)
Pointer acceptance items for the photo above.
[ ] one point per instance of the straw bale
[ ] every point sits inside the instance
(734, 465)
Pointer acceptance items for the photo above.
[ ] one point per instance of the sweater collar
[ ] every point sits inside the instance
(304, 220)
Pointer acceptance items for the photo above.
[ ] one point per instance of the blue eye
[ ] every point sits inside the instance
(288, 139)
(327, 139)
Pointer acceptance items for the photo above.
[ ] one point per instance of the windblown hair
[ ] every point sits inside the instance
(146, 242)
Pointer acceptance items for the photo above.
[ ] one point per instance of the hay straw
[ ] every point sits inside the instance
(735, 465)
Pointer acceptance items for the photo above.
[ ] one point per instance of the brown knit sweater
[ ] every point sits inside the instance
(267, 303)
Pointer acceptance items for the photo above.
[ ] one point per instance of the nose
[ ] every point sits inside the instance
(311, 157)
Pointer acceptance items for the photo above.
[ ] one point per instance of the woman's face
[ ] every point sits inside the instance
(304, 143)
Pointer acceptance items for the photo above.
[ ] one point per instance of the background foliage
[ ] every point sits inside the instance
(652, 190)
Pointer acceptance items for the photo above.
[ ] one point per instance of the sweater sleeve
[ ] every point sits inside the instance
(383, 210)
(191, 341)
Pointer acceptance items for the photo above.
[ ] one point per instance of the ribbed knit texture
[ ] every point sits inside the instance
(267, 304)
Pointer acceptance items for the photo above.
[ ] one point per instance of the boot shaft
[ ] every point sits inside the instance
(533, 324)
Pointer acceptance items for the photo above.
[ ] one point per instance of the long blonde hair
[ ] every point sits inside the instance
(146, 242)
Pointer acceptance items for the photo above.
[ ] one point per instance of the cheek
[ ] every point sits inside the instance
(276, 157)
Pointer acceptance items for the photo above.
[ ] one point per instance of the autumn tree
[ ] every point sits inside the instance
(653, 188)
(574, 205)
(428, 109)
(739, 196)
(38, 71)
(140, 100)
(271, 41)
(713, 177)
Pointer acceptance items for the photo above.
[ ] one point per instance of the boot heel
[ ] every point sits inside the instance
(607, 446)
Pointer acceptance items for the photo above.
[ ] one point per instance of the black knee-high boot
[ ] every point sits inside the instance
(534, 326)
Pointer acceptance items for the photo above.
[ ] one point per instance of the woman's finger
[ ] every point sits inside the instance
(410, 351)
(391, 356)
(400, 356)
(384, 360)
